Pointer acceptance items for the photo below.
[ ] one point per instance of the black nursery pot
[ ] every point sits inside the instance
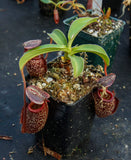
(68, 126)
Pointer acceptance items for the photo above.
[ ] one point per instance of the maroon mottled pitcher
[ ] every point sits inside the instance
(37, 66)
(106, 105)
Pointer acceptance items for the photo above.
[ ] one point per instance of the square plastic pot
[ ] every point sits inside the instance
(68, 126)
(109, 42)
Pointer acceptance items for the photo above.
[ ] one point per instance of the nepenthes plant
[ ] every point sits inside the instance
(35, 112)
(64, 5)
(62, 44)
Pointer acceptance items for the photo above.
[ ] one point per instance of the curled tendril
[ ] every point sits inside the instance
(72, 4)
(125, 4)
(123, 11)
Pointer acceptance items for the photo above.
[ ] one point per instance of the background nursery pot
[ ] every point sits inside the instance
(109, 42)
(56, 7)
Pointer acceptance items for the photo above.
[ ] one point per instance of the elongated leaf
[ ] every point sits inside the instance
(58, 36)
(46, 1)
(62, 2)
(93, 48)
(38, 51)
(79, 5)
(77, 64)
(77, 26)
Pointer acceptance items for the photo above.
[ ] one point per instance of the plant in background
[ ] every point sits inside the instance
(64, 5)
(103, 24)
(125, 4)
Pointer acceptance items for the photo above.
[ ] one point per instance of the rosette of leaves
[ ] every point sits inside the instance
(65, 44)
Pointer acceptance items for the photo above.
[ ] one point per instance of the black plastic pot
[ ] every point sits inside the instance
(68, 126)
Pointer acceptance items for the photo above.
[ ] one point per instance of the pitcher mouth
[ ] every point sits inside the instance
(109, 95)
(34, 110)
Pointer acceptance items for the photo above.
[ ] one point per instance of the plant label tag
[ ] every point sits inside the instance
(97, 6)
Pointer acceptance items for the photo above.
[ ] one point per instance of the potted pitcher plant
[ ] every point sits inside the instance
(64, 94)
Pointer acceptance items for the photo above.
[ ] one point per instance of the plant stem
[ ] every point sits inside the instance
(105, 69)
(54, 3)
(47, 53)
(66, 9)
(24, 82)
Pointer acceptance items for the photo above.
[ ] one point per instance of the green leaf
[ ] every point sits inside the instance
(58, 36)
(77, 26)
(61, 2)
(79, 5)
(38, 51)
(77, 64)
(59, 5)
(93, 48)
(46, 1)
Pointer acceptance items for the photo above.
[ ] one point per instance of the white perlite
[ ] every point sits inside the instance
(49, 79)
